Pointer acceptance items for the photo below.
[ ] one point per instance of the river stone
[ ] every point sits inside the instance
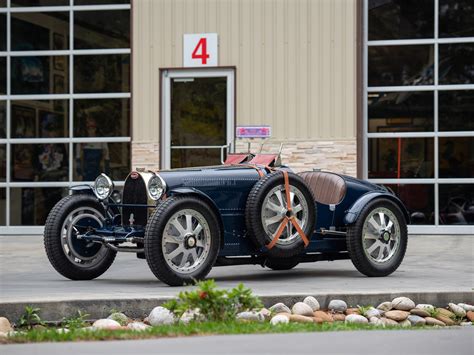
(444, 319)
(119, 317)
(466, 307)
(5, 325)
(302, 309)
(459, 311)
(312, 302)
(397, 315)
(139, 326)
(426, 307)
(279, 319)
(403, 303)
(445, 312)
(416, 320)
(3, 336)
(192, 315)
(375, 321)
(250, 316)
(466, 324)
(337, 306)
(385, 306)
(434, 321)
(106, 324)
(373, 313)
(352, 311)
(387, 321)
(470, 315)
(405, 323)
(324, 316)
(160, 315)
(266, 313)
(356, 318)
(298, 318)
(280, 308)
(62, 330)
(419, 312)
(339, 317)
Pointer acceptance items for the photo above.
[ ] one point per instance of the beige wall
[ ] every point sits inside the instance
(295, 59)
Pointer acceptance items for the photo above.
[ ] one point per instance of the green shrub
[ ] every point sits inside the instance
(77, 321)
(30, 317)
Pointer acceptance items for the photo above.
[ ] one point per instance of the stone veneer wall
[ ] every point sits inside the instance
(334, 155)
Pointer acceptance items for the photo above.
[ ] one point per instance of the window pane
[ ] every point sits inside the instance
(3, 3)
(30, 206)
(100, 2)
(39, 2)
(419, 201)
(92, 159)
(3, 201)
(102, 118)
(401, 111)
(400, 65)
(456, 110)
(456, 204)
(3, 162)
(39, 162)
(40, 119)
(102, 73)
(396, 19)
(3, 32)
(456, 63)
(401, 157)
(40, 75)
(182, 158)
(456, 157)
(3, 75)
(3, 119)
(32, 31)
(456, 18)
(102, 29)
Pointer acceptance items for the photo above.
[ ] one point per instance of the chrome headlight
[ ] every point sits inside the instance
(103, 187)
(156, 187)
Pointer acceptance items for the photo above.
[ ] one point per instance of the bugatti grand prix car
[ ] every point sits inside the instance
(250, 210)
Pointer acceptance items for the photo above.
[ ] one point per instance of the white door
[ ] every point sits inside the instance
(197, 116)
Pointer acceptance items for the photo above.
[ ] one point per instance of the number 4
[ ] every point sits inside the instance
(202, 46)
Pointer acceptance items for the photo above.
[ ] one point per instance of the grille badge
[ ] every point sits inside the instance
(134, 175)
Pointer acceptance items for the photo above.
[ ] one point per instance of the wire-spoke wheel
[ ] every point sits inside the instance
(182, 240)
(377, 241)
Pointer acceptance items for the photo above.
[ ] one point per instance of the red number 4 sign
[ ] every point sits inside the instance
(200, 50)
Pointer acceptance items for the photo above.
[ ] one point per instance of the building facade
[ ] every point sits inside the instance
(379, 89)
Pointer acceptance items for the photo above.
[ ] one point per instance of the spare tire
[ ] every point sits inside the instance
(266, 210)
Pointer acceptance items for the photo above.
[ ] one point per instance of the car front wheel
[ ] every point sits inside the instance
(377, 242)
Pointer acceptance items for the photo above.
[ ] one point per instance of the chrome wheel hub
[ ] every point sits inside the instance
(274, 210)
(186, 241)
(380, 235)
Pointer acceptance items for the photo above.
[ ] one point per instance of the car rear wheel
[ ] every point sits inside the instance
(74, 258)
(182, 240)
(267, 209)
(378, 240)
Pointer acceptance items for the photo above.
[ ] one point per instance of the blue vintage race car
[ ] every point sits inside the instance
(251, 210)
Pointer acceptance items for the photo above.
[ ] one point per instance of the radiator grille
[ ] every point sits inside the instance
(134, 192)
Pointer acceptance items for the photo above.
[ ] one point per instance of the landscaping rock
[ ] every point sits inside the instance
(375, 321)
(397, 315)
(106, 324)
(3, 336)
(279, 319)
(403, 303)
(138, 326)
(387, 321)
(250, 317)
(160, 315)
(312, 302)
(466, 324)
(416, 320)
(356, 318)
(385, 306)
(457, 310)
(466, 307)
(470, 315)
(373, 313)
(352, 311)
(5, 325)
(266, 313)
(445, 312)
(302, 309)
(426, 307)
(297, 318)
(119, 317)
(420, 312)
(405, 323)
(337, 306)
(444, 319)
(324, 316)
(62, 330)
(434, 321)
(280, 308)
(339, 317)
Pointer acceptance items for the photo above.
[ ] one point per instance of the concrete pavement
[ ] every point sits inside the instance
(436, 341)
(437, 264)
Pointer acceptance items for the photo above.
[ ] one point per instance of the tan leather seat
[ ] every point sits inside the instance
(328, 188)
